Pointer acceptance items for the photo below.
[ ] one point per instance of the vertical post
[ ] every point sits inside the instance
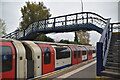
(16, 34)
(76, 18)
(87, 18)
(38, 25)
(54, 23)
(65, 20)
(99, 58)
(32, 27)
(24, 33)
(45, 24)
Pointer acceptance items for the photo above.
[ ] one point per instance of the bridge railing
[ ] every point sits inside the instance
(103, 48)
(60, 21)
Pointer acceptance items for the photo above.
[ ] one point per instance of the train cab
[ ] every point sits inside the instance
(8, 59)
(12, 57)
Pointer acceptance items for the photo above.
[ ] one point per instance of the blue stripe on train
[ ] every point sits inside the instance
(62, 67)
(94, 57)
(84, 60)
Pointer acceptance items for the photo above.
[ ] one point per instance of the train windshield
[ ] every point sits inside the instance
(6, 58)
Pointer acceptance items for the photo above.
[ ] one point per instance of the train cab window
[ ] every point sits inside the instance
(62, 52)
(75, 53)
(6, 57)
(47, 55)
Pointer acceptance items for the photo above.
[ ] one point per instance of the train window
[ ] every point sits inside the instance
(6, 55)
(47, 55)
(62, 52)
(94, 51)
(75, 53)
(83, 52)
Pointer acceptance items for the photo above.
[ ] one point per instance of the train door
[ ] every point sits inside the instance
(30, 63)
(33, 55)
(84, 53)
(94, 52)
(79, 54)
(89, 52)
(48, 58)
(74, 55)
(7, 53)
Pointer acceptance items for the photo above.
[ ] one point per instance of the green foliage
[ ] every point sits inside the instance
(33, 12)
(71, 42)
(64, 41)
(2, 28)
(43, 37)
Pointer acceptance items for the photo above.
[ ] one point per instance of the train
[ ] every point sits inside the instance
(30, 59)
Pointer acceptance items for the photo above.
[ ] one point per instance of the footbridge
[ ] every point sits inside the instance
(107, 47)
(67, 23)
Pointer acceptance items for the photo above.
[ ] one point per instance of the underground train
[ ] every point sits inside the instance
(30, 59)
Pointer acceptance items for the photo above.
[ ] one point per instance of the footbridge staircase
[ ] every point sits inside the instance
(107, 47)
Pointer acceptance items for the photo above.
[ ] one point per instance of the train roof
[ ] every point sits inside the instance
(3, 39)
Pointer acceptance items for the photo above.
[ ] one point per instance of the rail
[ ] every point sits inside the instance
(104, 44)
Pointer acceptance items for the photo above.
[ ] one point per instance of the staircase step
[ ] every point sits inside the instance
(113, 55)
(111, 74)
(114, 61)
(112, 64)
(112, 68)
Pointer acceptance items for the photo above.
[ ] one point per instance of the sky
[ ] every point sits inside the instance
(10, 12)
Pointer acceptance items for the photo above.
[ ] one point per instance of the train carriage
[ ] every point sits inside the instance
(30, 59)
(48, 60)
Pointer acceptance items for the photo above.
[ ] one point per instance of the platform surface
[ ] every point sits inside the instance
(82, 71)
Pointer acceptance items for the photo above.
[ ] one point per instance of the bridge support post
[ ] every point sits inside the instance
(99, 58)
(87, 18)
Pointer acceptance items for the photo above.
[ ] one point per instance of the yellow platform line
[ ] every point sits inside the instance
(63, 70)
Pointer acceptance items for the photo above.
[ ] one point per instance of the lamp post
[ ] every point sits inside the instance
(82, 5)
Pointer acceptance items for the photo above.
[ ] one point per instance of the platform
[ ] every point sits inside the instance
(85, 70)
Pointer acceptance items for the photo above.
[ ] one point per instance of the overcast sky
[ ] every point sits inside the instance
(10, 12)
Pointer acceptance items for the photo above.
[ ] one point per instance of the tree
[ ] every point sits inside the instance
(43, 37)
(2, 28)
(83, 37)
(64, 41)
(76, 38)
(32, 12)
